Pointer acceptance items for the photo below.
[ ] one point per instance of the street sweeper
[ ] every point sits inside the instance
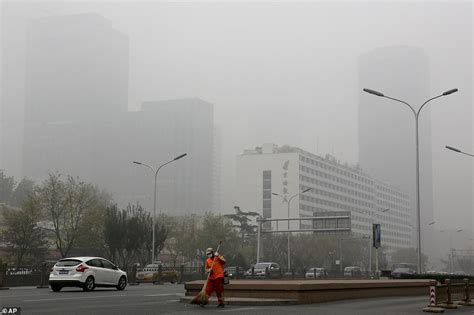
(215, 279)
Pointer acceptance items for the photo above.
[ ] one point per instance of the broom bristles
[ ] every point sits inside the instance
(200, 299)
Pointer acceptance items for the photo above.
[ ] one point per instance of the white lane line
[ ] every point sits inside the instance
(75, 298)
(166, 294)
(239, 309)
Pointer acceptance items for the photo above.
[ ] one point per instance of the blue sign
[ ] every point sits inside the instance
(376, 235)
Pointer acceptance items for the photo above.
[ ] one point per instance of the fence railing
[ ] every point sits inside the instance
(449, 294)
(38, 275)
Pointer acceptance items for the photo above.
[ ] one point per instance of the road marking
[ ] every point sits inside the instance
(75, 298)
(166, 294)
(239, 309)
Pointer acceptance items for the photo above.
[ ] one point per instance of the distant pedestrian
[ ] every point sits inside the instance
(215, 266)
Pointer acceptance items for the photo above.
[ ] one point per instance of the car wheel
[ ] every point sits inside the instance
(89, 285)
(122, 283)
(56, 288)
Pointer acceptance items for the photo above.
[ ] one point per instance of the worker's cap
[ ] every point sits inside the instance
(210, 250)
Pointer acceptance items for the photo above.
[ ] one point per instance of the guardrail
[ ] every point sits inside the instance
(38, 275)
(449, 295)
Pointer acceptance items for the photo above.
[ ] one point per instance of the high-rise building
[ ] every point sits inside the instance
(159, 132)
(387, 128)
(76, 81)
(77, 120)
(335, 188)
(217, 167)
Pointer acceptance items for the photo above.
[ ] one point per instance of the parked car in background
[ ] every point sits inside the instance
(86, 273)
(352, 271)
(400, 272)
(264, 270)
(316, 273)
(151, 273)
(234, 272)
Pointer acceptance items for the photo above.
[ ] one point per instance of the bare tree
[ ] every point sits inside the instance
(23, 191)
(25, 240)
(128, 234)
(7, 185)
(65, 203)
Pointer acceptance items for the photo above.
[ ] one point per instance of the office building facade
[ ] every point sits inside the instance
(335, 188)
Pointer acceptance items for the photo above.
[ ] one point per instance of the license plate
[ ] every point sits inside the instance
(63, 272)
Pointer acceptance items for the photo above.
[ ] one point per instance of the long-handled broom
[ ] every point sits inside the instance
(201, 298)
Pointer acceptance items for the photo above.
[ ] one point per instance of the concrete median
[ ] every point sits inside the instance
(316, 291)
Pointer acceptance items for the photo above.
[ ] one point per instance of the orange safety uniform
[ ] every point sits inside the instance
(216, 278)
(217, 268)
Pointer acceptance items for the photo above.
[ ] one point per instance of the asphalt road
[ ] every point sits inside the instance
(164, 299)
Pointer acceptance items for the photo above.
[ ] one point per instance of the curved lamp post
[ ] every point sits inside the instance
(458, 151)
(416, 116)
(289, 201)
(155, 172)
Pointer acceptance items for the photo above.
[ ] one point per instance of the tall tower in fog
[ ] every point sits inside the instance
(158, 133)
(387, 128)
(76, 80)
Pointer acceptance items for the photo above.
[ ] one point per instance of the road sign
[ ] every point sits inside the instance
(376, 237)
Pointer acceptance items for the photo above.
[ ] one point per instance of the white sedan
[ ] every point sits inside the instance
(86, 273)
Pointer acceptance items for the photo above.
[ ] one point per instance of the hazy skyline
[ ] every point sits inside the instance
(276, 72)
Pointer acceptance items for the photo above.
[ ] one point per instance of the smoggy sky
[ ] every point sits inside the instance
(281, 72)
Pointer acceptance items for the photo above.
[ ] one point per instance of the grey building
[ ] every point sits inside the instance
(77, 120)
(336, 189)
(159, 132)
(76, 82)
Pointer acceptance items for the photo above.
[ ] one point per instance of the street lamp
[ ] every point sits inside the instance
(416, 115)
(155, 172)
(451, 249)
(289, 200)
(458, 151)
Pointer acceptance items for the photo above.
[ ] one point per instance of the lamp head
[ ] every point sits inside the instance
(453, 149)
(450, 92)
(376, 93)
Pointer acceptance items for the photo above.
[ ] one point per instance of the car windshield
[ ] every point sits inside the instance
(68, 263)
(402, 270)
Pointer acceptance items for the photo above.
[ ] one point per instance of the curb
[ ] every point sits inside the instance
(245, 301)
(433, 309)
